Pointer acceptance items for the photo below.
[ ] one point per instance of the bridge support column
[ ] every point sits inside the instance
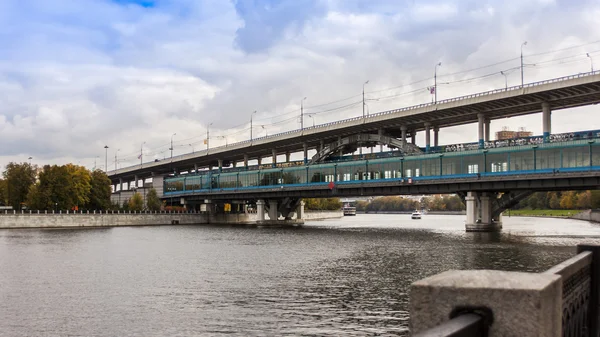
(427, 137)
(403, 129)
(273, 211)
(471, 203)
(487, 130)
(274, 155)
(480, 121)
(480, 213)
(260, 209)
(195, 168)
(546, 121)
(135, 181)
(234, 164)
(120, 184)
(259, 160)
(305, 149)
(436, 132)
(380, 132)
(413, 135)
(246, 161)
(287, 157)
(340, 153)
(220, 161)
(300, 210)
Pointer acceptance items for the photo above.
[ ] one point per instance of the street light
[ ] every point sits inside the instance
(252, 114)
(435, 82)
(141, 154)
(192, 147)
(313, 118)
(301, 113)
(116, 158)
(105, 158)
(591, 60)
(505, 79)
(522, 45)
(171, 148)
(207, 135)
(363, 95)
(263, 127)
(95, 162)
(223, 137)
(30, 160)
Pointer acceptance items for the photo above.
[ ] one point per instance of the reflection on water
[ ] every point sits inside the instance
(341, 277)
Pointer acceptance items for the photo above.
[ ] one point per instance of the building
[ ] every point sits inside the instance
(509, 134)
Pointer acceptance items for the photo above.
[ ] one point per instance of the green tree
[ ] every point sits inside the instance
(3, 192)
(99, 194)
(19, 178)
(595, 199)
(568, 200)
(584, 200)
(554, 201)
(80, 184)
(136, 203)
(153, 201)
(53, 191)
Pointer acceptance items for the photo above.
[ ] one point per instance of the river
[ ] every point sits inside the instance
(346, 277)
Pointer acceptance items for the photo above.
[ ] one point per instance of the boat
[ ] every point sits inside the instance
(416, 215)
(349, 210)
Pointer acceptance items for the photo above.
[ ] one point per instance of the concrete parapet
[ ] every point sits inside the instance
(522, 304)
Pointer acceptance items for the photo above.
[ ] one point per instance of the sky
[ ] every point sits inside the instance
(76, 76)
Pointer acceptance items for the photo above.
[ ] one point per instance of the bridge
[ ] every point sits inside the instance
(490, 176)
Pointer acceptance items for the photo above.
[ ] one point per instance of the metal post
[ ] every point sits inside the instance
(252, 114)
(523, 44)
(208, 136)
(591, 61)
(172, 145)
(363, 98)
(435, 82)
(105, 158)
(302, 113)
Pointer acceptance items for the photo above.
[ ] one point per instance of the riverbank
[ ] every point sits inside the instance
(122, 219)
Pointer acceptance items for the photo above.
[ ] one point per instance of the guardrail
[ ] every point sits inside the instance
(564, 296)
(347, 120)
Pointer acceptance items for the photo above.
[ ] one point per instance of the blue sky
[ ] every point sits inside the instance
(78, 75)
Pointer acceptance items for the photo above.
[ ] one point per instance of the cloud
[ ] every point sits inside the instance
(76, 76)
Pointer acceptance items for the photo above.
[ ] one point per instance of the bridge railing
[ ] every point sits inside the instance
(562, 301)
(413, 107)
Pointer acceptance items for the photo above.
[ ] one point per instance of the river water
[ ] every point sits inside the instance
(346, 277)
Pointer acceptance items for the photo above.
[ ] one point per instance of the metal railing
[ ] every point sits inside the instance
(347, 120)
(580, 302)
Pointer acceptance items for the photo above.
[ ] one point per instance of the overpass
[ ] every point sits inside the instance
(391, 128)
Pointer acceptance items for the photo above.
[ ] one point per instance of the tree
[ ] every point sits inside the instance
(19, 178)
(54, 189)
(554, 201)
(153, 201)
(3, 192)
(136, 203)
(79, 184)
(584, 200)
(100, 191)
(568, 200)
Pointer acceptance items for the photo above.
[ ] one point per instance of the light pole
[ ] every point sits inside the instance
(30, 160)
(252, 114)
(116, 158)
(208, 135)
(522, 45)
(301, 114)
(95, 162)
(435, 82)
(141, 154)
(263, 127)
(313, 118)
(363, 95)
(171, 148)
(591, 60)
(105, 158)
(505, 79)
(192, 147)
(223, 137)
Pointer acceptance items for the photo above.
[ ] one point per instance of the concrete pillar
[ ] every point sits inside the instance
(427, 137)
(273, 211)
(486, 209)
(403, 128)
(340, 153)
(480, 120)
(274, 155)
(300, 210)
(260, 209)
(220, 161)
(246, 161)
(522, 304)
(234, 163)
(259, 159)
(120, 184)
(436, 131)
(287, 157)
(305, 149)
(471, 208)
(195, 168)
(546, 121)
(487, 130)
(413, 135)
(135, 181)
(321, 145)
(380, 133)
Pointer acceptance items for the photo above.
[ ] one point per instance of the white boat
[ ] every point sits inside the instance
(416, 215)
(349, 210)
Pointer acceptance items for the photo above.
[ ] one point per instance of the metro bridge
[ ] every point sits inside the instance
(477, 171)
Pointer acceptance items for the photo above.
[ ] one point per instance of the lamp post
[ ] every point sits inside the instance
(105, 158)
(116, 158)
(522, 45)
(301, 113)
(591, 60)
(192, 147)
(363, 96)
(435, 82)
(30, 160)
(252, 114)
(505, 79)
(95, 162)
(171, 148)
(223, 137)
(313, 118)
(263, 127)
(208, 135)
(142, 154)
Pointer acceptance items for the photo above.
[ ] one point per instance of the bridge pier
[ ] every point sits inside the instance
(480, 213)
(403, 129)
(305, 149)
(546, 121)
(260, 209)
(480, 124)
(273, 211)
(274, 155)
(427, 137)
(436, 131)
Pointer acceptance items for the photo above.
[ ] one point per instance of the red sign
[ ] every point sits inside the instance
(331, 185)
